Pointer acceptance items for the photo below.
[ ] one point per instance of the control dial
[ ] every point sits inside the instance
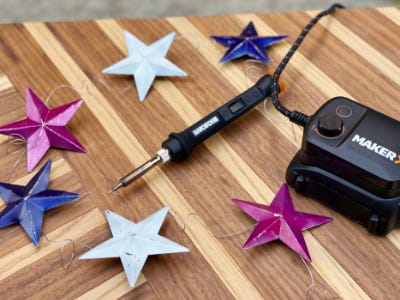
(330, 125)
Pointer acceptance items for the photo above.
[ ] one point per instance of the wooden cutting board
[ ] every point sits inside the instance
(356, 54)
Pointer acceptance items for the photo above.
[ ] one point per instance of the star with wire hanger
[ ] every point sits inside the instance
(44, 128)
(134, 242)
(248, 43)
(280, 221)
(26, 204)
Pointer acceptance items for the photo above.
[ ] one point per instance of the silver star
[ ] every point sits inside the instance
(146, 62)
(134, 242)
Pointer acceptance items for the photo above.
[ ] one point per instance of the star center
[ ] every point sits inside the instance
(144, 56)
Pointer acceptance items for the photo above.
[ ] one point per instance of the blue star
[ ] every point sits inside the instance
(146, 62)
(27, 204)
(248, 43)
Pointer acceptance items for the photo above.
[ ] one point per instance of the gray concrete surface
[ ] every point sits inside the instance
(57, 10)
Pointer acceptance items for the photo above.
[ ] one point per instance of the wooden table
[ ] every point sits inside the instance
(356, 53)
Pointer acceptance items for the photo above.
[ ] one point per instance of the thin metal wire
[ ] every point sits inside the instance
(18, 140)
(65, 264)
(60, 87)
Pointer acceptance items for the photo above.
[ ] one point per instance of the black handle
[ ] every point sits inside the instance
(180, 144)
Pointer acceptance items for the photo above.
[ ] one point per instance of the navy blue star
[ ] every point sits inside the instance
(248, 43)
(27, 204)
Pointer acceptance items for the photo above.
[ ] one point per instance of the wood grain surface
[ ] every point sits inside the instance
(355, 53)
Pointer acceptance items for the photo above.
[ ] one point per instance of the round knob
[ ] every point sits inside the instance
(330, 125)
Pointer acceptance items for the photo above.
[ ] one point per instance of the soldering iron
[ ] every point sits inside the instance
(179, 145)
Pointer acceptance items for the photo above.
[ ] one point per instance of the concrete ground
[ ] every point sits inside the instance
(57, 10)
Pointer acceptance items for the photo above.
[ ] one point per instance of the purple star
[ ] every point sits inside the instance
(280, 221)
(44, 128)
(248, 43)
(27, 204)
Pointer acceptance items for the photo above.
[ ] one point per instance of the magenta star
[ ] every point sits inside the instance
(44, 128)
(280, 221)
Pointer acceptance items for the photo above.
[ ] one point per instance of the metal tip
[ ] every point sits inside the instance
(161, 157)
(114, 188)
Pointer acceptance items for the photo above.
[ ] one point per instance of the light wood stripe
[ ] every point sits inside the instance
(219, 259)
(59, 168)
(394, 237)
(392, 13)
(5, 83)
(113, 288)
(4, 138)
(361, 47)
(329, 269)
(241, 171)
(29, 254)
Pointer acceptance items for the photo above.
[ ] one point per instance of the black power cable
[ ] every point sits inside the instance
(295, 116)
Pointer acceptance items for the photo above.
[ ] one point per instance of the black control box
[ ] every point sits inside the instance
(350, 161)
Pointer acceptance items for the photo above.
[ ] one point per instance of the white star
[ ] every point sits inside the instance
(134, 242)
(145, 62)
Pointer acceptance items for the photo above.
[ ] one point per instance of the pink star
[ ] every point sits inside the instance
(280, 221)
(44, 128)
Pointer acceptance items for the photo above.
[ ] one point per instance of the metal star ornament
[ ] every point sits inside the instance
(44, 128)
(146, 62)
(280, 221)
(26, 204)
(134, 242)
(248, 43)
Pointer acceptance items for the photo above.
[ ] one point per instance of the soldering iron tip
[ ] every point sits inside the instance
(114, 188)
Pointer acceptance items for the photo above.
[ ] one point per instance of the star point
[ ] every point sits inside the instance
(44, 128)
(248, 43)
(26, 204)
(146, 62)
(280, 220)
(134, 242)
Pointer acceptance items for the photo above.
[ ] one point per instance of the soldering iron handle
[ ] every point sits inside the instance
(180, 144)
